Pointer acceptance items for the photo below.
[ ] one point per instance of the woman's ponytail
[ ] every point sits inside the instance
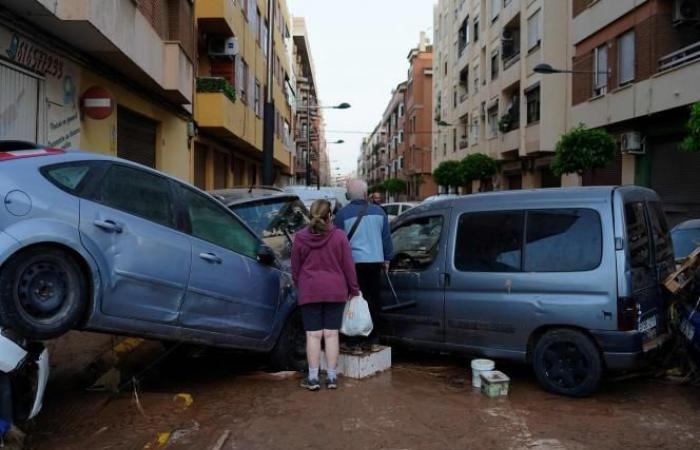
(320, 217)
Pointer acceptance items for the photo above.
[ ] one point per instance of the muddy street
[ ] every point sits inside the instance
(424, 402)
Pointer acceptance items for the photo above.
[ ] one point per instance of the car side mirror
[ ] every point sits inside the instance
(266, 255)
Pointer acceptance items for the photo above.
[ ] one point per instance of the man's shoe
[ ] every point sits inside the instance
(312, 385)
(331, 383)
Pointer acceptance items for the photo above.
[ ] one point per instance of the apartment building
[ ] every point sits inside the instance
(309, 137)
(70, 76)
(231, 86)
(640, 70)
(487, 97)
(399, 147)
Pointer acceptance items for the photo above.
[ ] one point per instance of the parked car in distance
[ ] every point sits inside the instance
(567, 280)
(395, 209)
(686, 238)
(274, 216)
(95, 242)
(308, 194)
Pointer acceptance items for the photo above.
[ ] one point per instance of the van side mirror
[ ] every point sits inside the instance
(266, 255)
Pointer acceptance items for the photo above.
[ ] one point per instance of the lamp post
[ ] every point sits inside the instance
(546, 69)
(318, 174)
(309, 109)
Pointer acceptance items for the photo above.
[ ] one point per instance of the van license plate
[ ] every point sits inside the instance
(647, 324)
(687, 329)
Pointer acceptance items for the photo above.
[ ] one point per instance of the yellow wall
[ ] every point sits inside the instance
(173, 154)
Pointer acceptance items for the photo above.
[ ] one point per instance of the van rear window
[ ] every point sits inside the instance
(637, 235)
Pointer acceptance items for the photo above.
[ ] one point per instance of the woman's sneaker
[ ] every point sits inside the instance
(312, 385)
(331, 383)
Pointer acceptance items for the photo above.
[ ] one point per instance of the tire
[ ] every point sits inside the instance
(290, 351)
(43, 293)
(567, 362)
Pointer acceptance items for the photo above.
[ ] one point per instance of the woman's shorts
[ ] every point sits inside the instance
(322, 316)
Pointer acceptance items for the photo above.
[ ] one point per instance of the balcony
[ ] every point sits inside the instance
(216, 16)
(116, 33)
(680, 57)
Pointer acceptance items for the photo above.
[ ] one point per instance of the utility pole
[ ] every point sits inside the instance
(308, 136)
(269, 111)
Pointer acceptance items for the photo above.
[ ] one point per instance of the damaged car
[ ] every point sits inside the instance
(565, 280)
(103, 244)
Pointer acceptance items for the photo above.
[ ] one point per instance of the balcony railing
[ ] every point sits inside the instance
(680, 57)
(510, 60)
(216, 84)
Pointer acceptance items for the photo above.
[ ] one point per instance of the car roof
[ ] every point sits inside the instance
(231, 201)
(240, 193)
(691, 224)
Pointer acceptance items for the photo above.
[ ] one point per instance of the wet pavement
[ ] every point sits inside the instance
(424, 402)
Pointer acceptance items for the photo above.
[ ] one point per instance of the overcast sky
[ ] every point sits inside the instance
(359, 49)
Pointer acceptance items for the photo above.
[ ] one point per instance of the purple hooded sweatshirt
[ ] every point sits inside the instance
(322, 267)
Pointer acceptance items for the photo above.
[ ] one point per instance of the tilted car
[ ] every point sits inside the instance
(95, 242)
(567, 280)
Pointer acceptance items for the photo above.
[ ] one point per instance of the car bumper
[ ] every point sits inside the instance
(627, 350)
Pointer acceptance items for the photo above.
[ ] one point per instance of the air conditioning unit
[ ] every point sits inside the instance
(685, 11)
(632, 143)
(223, 47)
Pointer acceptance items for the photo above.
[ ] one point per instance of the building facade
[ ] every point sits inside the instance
(487, 97)
(231, 86)
(309, 137)
(61, 59)
(643, 57)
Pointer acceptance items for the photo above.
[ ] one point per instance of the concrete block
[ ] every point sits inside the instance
(361, 366)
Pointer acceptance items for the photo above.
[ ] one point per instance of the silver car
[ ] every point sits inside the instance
(100, 243)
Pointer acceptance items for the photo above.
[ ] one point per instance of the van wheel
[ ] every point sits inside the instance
(290, 351)
(567, 362)
(43, 293)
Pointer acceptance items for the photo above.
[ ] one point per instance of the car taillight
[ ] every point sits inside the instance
(627, 314)
(18, 154)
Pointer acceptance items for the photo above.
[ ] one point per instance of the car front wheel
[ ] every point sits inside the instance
(567, 362)
(43, 293)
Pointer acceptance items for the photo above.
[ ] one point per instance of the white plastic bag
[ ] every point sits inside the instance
(357, 320)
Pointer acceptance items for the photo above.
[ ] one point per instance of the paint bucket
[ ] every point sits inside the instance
(480, 366)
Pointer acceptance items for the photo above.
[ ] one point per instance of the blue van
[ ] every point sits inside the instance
(567, 280)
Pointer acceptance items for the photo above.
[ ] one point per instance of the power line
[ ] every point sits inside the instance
(370, 132)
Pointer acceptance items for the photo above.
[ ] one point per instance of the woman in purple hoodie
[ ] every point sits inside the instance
(324, 274)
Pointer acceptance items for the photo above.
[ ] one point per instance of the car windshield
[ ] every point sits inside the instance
(685, 241)
(275, 220)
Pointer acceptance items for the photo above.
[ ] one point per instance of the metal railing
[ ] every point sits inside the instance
(680, 57)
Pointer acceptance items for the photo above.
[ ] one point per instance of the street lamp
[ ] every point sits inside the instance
(442, 123)
(546, 69)
(318, 172)
(308, 110)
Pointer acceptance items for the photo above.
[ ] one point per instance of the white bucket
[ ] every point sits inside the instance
(480, 366)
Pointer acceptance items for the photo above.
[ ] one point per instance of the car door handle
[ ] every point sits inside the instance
(210, 257)
(108, 225)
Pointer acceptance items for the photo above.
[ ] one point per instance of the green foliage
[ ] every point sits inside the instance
(216, 84)
(395, 186)
(477, 166)
(582, 149)
(448, 173)
(691, 143)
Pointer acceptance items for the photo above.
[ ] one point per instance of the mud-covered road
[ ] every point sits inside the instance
(424, 402)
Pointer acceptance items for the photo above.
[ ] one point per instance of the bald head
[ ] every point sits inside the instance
(357, 190)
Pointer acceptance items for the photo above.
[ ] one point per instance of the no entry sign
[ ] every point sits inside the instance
(97, 103)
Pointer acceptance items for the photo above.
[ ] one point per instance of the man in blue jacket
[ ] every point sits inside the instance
(371, 247)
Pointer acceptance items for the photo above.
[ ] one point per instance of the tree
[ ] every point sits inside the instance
(395, 186)
(478, 166)
(448, 173)
(692, 142)
(582, 149)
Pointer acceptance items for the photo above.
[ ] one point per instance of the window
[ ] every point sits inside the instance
(416, 244)
(494, 65)
(563, 240)
(264, 30)
(67, 176)
(475, 131)
(257, 26)
(533, 30)
(215, 224)
(258, 99)
(444, 149)
(637, 235)
(400, 136)
(137, 192)
(454, 96)
(660, 231)
(600, 70)
(454, 140)
(495, 9)
(242, 79)
(533, 105)
(493, 121)
(476, 29)
(401, 110)
(445, 73)
(476, 78)
(626, 57)
(489, 242)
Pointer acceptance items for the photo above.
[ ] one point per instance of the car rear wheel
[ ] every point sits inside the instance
(290, 351)
(43, 293)
(567, 362)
